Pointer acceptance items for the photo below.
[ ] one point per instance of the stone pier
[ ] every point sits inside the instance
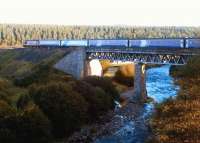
(140, 93)
(74, 63)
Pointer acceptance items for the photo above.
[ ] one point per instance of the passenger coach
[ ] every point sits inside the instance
(156, 43)
(116, 44)
(31, 43)
(49, 43)
(108, 43)
(74, 43)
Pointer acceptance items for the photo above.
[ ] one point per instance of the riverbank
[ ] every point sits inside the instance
(131, 122)
(116, 125)
(178, 120)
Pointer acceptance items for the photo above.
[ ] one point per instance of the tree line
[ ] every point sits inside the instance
(16, 34)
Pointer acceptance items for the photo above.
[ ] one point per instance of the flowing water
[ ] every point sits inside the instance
(160, 86)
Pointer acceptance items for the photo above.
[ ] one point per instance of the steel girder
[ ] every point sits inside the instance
(148, 58)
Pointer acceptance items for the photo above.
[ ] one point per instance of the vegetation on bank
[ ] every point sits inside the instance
(14, 35)
(124, 75)
(40, 104)
(178, 120)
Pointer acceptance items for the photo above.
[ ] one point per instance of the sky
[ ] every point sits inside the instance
(102, 12)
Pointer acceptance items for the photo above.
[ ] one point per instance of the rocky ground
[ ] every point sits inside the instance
(125, 124)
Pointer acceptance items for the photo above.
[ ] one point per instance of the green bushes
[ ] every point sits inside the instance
(54, 108)
(44, 104)
(33, 126)
(39, 73)
(68, 105)
(30, 125)
(98, 100)
(23, 101)
(104, 83)
(6, 90)
(65, 108)
(103, 101)
(8, 123)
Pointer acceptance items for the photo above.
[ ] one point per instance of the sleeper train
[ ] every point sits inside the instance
(133, 43)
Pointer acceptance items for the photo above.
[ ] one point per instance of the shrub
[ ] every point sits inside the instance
(3, 96)
(190, 70)
(30, 125)
(40, 72)
(102, 100)
(4, 92)
(105, 84)
(98, 100)
(23, 101)
(65, 108)
(8, 123)
(33, 127)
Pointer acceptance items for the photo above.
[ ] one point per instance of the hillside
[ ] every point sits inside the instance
(40, 104)
(17, 62)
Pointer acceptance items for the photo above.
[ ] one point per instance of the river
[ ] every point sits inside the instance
(134, 128)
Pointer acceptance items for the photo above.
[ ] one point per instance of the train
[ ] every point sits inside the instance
(127, 43)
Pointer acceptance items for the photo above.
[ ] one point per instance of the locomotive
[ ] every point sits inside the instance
(131, 43)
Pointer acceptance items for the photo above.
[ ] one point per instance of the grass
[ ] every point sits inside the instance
(14, 63)
(22, 62)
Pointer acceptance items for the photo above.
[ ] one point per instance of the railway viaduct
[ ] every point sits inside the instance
(77, 62)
